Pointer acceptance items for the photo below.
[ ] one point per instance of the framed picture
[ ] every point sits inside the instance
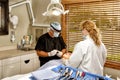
(4, 17)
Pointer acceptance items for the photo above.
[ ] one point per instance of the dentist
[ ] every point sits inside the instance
(51, 44)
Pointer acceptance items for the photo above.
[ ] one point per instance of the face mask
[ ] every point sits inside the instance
(56, 34)
(84, 37)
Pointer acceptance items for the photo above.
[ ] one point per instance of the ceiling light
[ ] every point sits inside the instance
(55, 8)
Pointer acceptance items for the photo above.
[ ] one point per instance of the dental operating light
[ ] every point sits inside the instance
(55, 8)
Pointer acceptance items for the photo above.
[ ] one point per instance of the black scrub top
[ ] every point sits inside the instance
(47, 43)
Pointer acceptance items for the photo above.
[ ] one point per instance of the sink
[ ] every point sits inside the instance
(27, 49)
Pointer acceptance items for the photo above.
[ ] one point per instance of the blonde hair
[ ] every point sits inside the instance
(93, 31)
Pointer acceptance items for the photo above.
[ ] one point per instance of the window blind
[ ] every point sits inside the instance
(106, 15)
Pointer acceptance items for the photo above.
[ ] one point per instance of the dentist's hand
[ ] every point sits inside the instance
(59, 54)
(52, 53)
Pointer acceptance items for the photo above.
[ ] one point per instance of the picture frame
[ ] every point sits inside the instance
(4, 17)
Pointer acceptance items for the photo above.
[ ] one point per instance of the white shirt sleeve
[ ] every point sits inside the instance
(104, 53)
(76, 57)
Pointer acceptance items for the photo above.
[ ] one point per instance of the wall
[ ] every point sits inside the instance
(24, 26)
(39, 7)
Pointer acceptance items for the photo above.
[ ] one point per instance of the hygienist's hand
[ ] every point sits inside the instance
(52, 53)
(59, 54)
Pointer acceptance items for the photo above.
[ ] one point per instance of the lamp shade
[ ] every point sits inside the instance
(55, 8)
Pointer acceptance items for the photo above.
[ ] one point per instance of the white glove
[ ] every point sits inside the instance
(59, 53)
(52, 53)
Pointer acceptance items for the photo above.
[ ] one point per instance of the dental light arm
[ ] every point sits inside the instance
(29, 5)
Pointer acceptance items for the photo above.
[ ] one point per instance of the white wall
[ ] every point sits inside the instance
(24, 27)
(39, 7)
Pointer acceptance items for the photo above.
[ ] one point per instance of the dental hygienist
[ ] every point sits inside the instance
(90, 54)
(51, 44)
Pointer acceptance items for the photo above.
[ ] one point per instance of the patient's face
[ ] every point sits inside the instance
(66, 55)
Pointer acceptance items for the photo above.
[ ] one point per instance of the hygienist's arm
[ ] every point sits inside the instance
(104, 53)
(75, 58)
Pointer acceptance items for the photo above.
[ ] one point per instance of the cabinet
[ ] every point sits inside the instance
(0, 70)
(38, 30)
(36, 62)
(27, 63)
(19, 65)
(11, 66)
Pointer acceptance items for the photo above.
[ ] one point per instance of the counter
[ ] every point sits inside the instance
(13, 53)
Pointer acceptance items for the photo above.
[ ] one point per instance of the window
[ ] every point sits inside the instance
(4, 17)
(106, 14)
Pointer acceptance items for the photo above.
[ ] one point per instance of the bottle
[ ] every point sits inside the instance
(18, 45)
(22, 42)
(27, 39)
(12, 36)
(30, 40)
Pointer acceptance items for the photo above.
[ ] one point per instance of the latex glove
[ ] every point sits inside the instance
(59, 54)
(52, 53)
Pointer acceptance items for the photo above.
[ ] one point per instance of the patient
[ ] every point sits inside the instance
(89, 54)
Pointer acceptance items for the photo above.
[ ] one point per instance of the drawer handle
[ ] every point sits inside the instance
(27, 61)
